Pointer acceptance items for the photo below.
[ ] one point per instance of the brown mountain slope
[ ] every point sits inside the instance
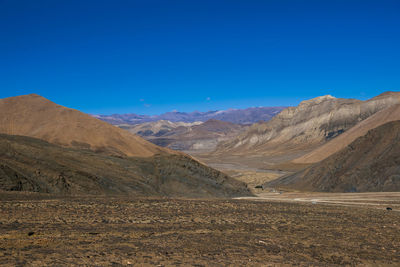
(191, 138)
(35, 116)
(303, 128)
(370, 163)
(156, 128)
(205, 136)
(30, 164)
(390, 114)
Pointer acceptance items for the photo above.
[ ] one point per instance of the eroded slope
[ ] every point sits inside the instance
(369, 164)
(29, 164)
(305, 127)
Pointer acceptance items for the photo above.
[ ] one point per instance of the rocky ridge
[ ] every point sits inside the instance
(389, 114)
(30, 164)
(368, 164)
(303, 128)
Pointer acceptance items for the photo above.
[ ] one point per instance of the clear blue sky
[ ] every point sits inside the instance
(152, 56)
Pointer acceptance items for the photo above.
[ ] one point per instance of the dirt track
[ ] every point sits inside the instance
(40, 230)
(379, 200)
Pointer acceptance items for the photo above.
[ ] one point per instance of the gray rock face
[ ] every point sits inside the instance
(308, 125)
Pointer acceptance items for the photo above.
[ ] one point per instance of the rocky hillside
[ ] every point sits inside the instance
(189, 137)
(29, 164)
(35, 116)
(157, 128)
(303, 128)
(370, 163)
(238, 116)
(386, 115)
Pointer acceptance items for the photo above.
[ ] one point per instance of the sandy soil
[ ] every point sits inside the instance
(38, 230)
(251, 176)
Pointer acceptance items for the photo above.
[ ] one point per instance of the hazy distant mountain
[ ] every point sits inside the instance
(158, 128)
(370, 163)
(239, 116)
(190, 137)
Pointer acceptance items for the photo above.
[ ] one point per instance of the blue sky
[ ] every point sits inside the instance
(151, 56)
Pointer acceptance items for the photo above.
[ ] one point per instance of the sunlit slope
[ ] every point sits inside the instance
(370, 163)
(35, 116)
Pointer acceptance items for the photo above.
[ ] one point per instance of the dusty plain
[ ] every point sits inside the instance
(274, 229)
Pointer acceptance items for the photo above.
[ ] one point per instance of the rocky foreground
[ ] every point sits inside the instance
(36, 230)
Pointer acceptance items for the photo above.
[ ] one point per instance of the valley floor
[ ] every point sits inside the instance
(37, 230)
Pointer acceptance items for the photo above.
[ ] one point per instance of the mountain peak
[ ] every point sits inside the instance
(35, 116)
(318, 99)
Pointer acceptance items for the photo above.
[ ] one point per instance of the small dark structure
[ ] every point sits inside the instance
(259, 186)
(388, 208)
(31, 233)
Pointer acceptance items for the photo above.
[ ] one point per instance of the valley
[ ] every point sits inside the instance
(200, 133)
(316, 184)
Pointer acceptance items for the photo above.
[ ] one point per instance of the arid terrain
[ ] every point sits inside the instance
(199, 133)
(75, 190)
(192, 138)
(297, 130)
(368, 164)
(37, 230)
(238, 116)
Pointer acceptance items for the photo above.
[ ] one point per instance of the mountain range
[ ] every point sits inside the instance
(238, 116)
(296, 131)
(49, 148)
(197, 137)
(327, 144)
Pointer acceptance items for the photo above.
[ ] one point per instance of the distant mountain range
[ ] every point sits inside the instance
(239, 116)
(189, 137)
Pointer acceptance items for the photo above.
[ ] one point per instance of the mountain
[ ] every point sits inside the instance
(190, 137)
(298, 130)
(30, 164)
(35, 116)
(157, 128)
(84, 155)
(370, 163)
(238, 116)
(391, 113)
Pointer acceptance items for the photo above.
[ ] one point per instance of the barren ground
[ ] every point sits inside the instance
(37, 230)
